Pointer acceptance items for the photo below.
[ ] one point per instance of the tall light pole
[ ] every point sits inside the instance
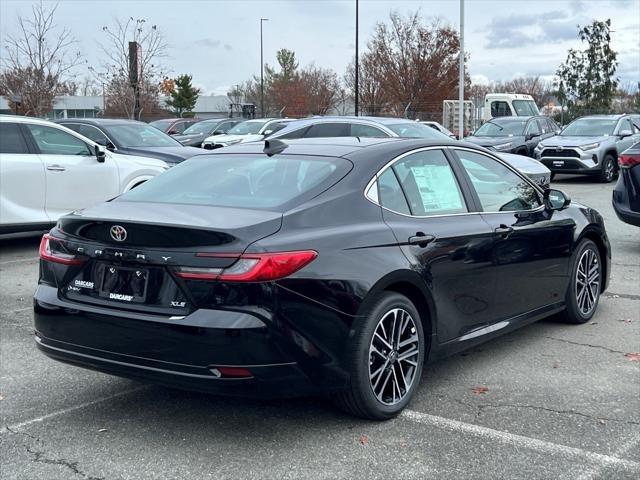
(356, 87)
(461, 80)
(262, 70)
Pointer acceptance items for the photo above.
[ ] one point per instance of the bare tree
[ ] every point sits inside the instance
(37, 61)
(321, 89)
(119, 90)
(374, 99)
(415, 63)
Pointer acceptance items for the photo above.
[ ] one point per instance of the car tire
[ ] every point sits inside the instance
(371, 364)
(609, 169)
(582, 297)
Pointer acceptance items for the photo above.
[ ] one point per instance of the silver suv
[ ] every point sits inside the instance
(590, 145)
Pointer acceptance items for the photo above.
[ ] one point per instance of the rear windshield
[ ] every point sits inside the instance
(416, 130)
(242, 181)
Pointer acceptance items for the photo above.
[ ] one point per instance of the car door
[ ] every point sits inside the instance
(532, 246)
(22, 179)
(74, 177)
(623, 143)
(442, 237)
(533, 133)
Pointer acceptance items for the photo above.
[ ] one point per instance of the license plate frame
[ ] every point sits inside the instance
(113, 286)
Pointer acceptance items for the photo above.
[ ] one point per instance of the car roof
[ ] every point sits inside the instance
(23, 119)
(101, 121)
(523, 118)
(342, 146)
(605, 116)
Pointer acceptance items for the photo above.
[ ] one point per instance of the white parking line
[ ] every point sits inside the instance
(22, 260)
(517, 440)
(624, 449)
(18, 426)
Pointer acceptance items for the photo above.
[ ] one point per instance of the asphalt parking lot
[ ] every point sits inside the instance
(561, 402)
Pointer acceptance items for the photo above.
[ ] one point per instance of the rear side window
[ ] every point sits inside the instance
(11, 139)
(299, 133)
(359, 130)
(328, 130)
(255, 181)
(390, 193)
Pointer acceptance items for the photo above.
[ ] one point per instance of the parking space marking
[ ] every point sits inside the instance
(73, 408)
(597, 471)
(21, 260)
(541, 446)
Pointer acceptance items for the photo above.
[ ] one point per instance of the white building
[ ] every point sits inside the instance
(213, 106)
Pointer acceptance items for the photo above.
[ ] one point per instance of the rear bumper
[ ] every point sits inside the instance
(183, 352)
(621, 201)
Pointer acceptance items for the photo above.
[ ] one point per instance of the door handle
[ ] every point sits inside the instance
(421, 239)
(56, 168)
(504, 231)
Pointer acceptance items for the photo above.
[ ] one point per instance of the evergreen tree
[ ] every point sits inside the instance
(184, 96)
(586, 79)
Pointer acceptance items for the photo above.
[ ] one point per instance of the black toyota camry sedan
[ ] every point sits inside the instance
(333, 266)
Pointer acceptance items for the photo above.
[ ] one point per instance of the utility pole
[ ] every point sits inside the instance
(262, 70)
(356, 86)
(461, 80)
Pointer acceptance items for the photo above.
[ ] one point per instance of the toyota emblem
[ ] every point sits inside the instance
(118, 233)
(559, 149)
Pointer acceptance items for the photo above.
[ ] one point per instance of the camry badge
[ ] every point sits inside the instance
(118, 233)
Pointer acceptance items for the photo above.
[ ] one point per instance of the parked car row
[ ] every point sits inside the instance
(514, 140)
(47, 170)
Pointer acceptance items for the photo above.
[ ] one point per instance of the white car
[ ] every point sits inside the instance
(47, 170)
(439, 127)
(249, 131)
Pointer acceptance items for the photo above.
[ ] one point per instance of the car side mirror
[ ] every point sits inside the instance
(555, 199)
(625, 133)
(111, 147)
(172, 132)
(531, 136)
(267, 132)
(100, 154)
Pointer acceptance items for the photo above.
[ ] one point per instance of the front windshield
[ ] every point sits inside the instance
(140, 135)
(247, 128)
(525, 108)
(590, 127)
(201, 127)
(501, 129)
(416, 130)
(162, 124)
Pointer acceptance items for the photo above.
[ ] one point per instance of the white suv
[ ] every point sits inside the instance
(47, 170)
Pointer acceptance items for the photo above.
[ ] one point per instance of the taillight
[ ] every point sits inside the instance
(252, 267)
(629, 160)
(50, 254)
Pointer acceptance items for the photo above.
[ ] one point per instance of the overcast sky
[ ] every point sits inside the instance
(218, 41)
